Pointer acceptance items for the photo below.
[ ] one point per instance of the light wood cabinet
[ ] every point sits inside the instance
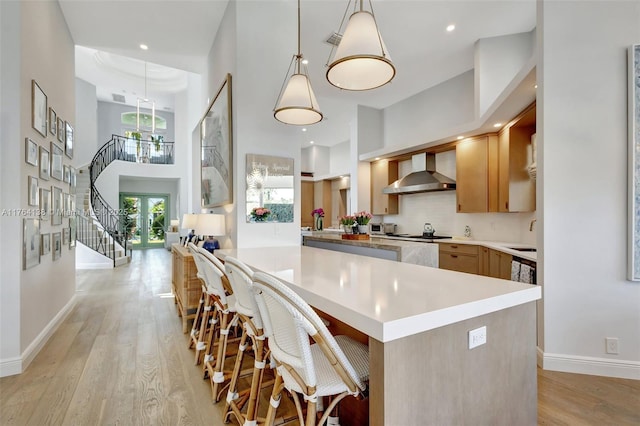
(516, 191)
(383, 173)
(306, 203)
(500, 264)
(476, 174)
(186, 286)
(483, 261)
(491, 169)
(459, 257)
(321, 199)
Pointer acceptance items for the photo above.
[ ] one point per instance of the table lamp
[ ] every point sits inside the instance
(210, 225)
(175, 223)
(189, 221)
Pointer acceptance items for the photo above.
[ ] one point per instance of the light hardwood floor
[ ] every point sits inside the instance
(120, 358)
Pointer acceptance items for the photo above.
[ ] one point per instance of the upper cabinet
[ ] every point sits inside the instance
(476, 166)
(383, 173)
(491, 169)
(516, 190)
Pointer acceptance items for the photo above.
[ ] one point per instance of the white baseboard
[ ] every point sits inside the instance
(10, 366)
(608, 367)
(34, 347)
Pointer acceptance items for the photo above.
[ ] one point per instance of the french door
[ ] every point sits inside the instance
(145, 219)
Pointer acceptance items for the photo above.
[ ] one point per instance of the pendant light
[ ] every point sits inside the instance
(361, 61)
(146, 100)
(296, 102)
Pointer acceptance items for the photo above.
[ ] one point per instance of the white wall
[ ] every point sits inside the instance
(497, 61)
(340, 159)
(582, 140)
(36, 44)
(431, 114)
(86, 123)
(11, 164)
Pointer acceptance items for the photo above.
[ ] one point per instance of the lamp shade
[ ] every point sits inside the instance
(361, 61)
(210, 224)
(298, 104)
(189, 220)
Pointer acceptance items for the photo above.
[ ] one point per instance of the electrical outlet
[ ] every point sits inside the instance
(477, 337)
(612, 345)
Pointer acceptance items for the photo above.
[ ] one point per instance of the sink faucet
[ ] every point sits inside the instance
(531, 224)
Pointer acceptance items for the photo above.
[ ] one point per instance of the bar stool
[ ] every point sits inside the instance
(241, 281)
(332, 366)
(205, 314)
(225, 306)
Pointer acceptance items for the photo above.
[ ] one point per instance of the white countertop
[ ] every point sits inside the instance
(384, 299)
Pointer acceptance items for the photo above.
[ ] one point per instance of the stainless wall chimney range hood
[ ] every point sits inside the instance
(423, 178)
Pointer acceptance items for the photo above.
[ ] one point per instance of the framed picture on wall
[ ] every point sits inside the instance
(44, 163)
(61, 132)
(33, 195)
(30, 152)
(72, 232)
(45, 206)
(67, 173)
(633, 273)
(38, 109)
(53, 122)
(65, 236)
(30, 243)
(56, 162)
(56, 205)
(68, 140)
(216, 147)
(45, 244)
(56, 242)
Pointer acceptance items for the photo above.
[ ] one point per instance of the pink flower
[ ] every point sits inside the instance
(318, 212)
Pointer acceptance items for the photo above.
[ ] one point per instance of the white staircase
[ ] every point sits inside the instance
(94, 234)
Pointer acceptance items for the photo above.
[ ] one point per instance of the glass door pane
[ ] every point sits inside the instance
(132, 209)
(156, 226)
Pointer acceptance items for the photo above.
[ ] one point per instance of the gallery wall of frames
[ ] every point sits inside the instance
(51, 183)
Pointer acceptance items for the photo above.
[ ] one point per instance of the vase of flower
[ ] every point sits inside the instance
(347, 223)
(260, 214)
(318, 219)
(362, 219)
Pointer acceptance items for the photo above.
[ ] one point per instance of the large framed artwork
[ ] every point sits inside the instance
(634, 163)
(30, 243)
(216, 183)
(269, 195)
(38, 109)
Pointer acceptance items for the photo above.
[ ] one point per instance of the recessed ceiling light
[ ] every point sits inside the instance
(451, 27)
(305, 62)
(304, 129)
(535, 86)
(377, 158)
(144, 47)
(310, 141)
(460, 137)
(497, 125)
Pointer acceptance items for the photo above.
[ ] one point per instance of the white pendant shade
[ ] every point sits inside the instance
(361, 61)
(298, 104)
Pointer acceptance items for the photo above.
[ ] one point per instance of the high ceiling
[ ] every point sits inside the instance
(180, 34)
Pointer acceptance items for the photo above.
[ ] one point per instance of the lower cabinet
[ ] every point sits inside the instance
(459, 257)
(475, 260)
(185, 283)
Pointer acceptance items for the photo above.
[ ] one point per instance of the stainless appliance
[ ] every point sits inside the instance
(378, 228)
(423, 178)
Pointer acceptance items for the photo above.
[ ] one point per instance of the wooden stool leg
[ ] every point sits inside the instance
(232, 393)
(208, 367)
(218, 374)
(201, 344)
(256, 379)
(196, 321)
(274, 402)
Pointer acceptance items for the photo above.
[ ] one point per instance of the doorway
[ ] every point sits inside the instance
(145, 220)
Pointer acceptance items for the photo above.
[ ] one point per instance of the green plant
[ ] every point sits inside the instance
(347, 220)
(363, 217)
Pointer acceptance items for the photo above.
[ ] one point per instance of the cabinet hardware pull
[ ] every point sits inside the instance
(454, 246)
(454, 255)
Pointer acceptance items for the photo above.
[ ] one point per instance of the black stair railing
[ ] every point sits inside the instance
(123, 149)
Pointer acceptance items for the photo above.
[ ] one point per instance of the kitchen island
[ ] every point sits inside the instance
(417, 321)
(418, 253)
